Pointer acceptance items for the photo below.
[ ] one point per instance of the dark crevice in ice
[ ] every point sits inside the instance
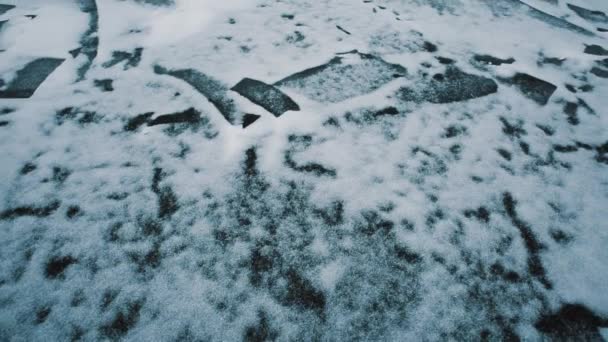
(535, 266)
(89, 42)
(34, 211)
(299, 144)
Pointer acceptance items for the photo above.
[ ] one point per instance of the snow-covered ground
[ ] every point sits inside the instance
(316, 170)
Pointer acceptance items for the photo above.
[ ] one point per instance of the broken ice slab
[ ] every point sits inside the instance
(265, 96)
(533, 88)
(215, 91)
(5, 8)
(249, 119)
(452, 86)
(589, 15)
(343, 77)
(30, 77)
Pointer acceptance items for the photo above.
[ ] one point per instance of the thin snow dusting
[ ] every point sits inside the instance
(303, 170)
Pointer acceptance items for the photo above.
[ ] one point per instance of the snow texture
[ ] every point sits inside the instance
(303, 170)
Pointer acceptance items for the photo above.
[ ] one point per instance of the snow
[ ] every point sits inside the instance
(365, 216)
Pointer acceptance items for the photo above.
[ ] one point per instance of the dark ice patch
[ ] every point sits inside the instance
(595, 50)
(137, 121)
(33, 211)
(190, 115)
(42, 314)
(215, 91)
(515, 130)
(167, 203)
(429, 47)
(445, 60)
(301, 293)
(167, 200)
(551, 60)
(30, 77)
(453, 131)
(373, 223)
(265, 96)
(533, 88)
(602, 153)
(132, 59)
(75, 114)
(124, 320)
(481, 213)
(104, 85)
(249, 119)
(573, 322)
(2, 23)
(262, 262)
(332, 215)
(487, 59)
(599, 72)
(388, 111)
(73, 211)
(548, 130)
(340, 78)
(56, 266)
(5, 8)
(505, 154)
(261, 331)
(452, 86)
(27, 168)
(589, 15)
(571, 109)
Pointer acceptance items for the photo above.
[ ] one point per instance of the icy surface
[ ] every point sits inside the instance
(316, 170)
